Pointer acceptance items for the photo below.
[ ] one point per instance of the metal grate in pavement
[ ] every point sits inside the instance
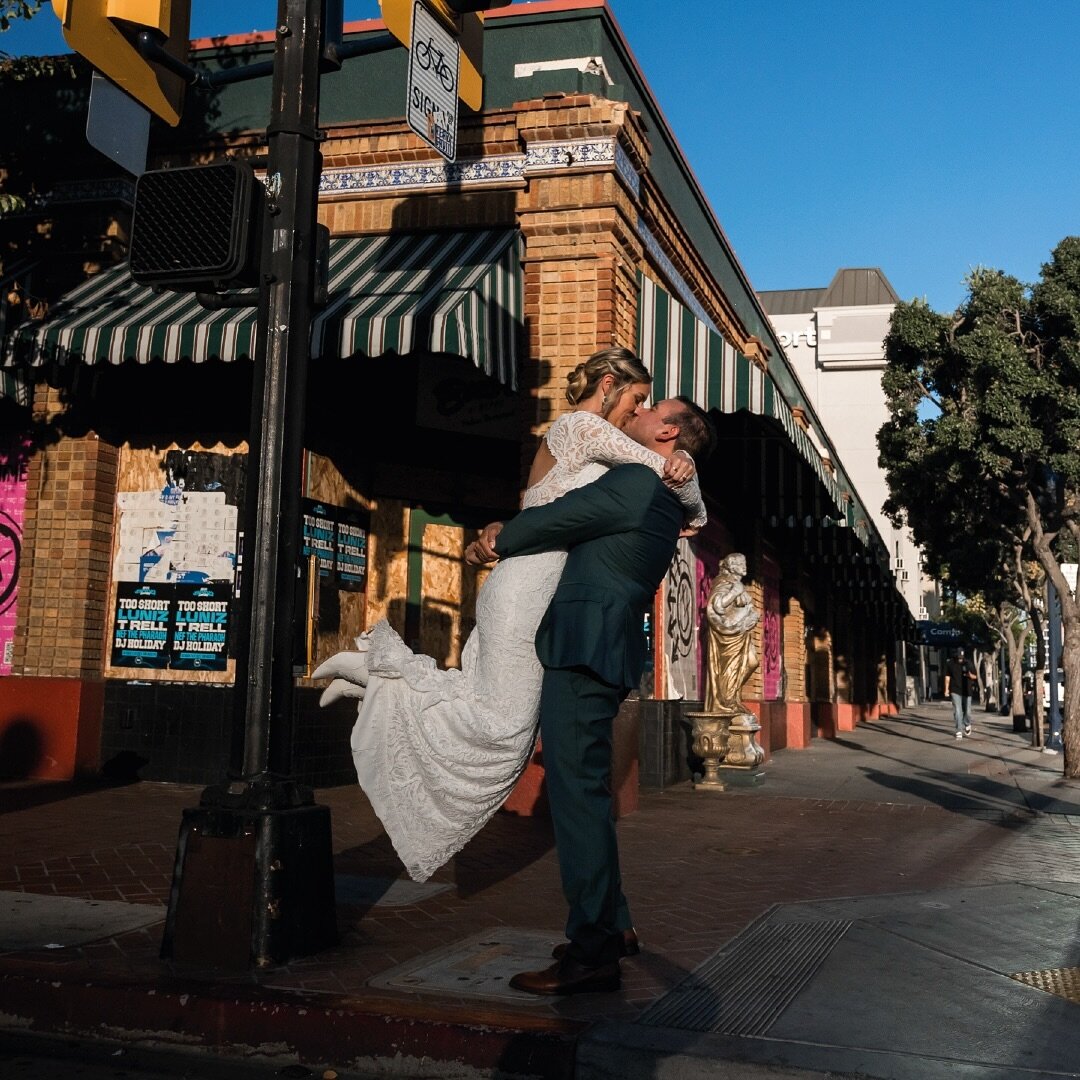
(1064, 982)
(743, 988)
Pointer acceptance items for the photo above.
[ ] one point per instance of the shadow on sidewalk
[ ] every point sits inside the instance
(26, 794)
(504, 847)
(961, 792)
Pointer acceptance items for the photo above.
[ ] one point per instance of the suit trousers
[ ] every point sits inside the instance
(576, 714)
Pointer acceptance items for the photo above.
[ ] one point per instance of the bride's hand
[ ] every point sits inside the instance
(678, 469)
(482, 550)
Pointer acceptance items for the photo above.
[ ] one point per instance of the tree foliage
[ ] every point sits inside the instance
(10, 10)
(989, 473)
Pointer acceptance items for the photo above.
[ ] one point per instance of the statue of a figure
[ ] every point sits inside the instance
(732, 656)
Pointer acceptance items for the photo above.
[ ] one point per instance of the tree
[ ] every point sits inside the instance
(993, 475)
(10, 10)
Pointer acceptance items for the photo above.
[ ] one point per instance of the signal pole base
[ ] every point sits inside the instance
(253, 885)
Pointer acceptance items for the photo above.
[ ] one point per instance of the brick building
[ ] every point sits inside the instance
(459, 298)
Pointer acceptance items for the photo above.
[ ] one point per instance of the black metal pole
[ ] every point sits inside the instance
(253, 879)
(277, 419)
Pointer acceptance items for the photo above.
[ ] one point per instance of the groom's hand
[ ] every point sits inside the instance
(482, 550)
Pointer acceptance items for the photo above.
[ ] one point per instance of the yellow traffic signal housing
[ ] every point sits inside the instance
(105, 32)
(469, 28)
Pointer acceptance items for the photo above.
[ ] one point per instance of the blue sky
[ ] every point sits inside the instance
(925, 138)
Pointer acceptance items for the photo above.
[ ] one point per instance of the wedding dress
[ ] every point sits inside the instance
(438, 751)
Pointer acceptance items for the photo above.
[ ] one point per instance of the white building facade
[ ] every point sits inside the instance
(834, 339)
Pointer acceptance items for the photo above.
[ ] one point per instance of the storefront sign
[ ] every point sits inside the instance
(939, 634)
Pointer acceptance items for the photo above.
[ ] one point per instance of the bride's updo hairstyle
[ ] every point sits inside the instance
(627, 369)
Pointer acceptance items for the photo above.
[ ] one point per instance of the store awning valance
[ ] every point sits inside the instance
(16, 297)
(14, 387)
(688, 357)
(442, 292)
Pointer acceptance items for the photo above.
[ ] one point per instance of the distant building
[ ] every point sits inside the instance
(834, 339)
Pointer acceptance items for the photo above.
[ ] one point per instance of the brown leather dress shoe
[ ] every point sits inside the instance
(567, 976)
(630, 945)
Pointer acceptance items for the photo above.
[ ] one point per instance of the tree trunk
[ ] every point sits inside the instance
(1016, 674)
(1070, 638)
(1038, 716)
(1070, 726)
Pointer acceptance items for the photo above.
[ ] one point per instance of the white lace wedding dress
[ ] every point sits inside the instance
(438, 751)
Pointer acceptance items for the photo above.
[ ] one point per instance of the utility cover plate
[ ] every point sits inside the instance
(36, 921)
(480, 966)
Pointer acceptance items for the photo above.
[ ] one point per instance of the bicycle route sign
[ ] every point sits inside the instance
(432, 106)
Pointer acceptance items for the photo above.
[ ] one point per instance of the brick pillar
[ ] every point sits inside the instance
(796, 705)
(53, 701)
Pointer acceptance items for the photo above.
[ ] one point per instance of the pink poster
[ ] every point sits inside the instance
(772, 658)
(12, 503)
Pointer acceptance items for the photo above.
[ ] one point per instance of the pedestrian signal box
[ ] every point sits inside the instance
(198, 228)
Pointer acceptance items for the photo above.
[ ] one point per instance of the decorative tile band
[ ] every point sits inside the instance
(422, 175)
(626, 170)
(114, 189)
(668, 267)
(564, 154)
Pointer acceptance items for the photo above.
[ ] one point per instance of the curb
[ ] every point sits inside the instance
(373, 1035)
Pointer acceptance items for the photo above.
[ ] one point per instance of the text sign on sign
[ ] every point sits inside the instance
(432, 103)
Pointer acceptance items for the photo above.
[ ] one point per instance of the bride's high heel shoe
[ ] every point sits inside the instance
(348, 666)
(341, 688)
(344, 665)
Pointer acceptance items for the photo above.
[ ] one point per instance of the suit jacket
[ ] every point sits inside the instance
(621, 532)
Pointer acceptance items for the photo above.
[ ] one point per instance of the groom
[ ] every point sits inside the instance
(621, 532)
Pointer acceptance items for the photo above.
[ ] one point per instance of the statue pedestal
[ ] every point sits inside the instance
(727, 744)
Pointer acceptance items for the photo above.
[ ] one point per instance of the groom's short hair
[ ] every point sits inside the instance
(697, 435)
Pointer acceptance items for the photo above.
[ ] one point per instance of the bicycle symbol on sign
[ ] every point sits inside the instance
(431, 58)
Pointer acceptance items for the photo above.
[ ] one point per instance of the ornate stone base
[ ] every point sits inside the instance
(724, 743)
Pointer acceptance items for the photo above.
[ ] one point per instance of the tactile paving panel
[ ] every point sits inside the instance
(1064, 982)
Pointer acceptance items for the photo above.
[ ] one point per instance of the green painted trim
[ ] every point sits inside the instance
(419, 520)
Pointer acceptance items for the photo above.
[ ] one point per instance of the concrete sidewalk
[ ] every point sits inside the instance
(892, 903)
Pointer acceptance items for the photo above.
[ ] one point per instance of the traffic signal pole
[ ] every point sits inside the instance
(253, 878)
(280, 386)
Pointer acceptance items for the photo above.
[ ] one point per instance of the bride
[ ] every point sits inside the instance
(438, 751)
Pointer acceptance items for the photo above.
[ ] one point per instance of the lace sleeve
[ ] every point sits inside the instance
(578, 438)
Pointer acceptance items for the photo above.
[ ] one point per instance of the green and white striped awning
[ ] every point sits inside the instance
(688, 357)
(15, 387)
(14, 295)
(442, 292)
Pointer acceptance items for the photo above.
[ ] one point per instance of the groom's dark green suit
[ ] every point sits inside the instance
(621, 532)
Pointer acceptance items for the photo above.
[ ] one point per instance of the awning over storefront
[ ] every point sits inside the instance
(687, 357)
(442, 292)
(15, 297)
(14, 387)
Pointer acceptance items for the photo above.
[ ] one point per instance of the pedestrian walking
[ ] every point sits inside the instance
(960, 687)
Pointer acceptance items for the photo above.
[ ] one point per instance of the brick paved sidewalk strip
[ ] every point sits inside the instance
(896, 806)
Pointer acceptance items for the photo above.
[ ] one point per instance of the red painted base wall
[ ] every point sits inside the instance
(50, 729)
(529, 797)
